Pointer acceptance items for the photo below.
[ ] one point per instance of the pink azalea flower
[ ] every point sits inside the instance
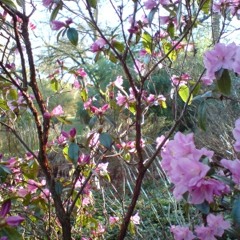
(113, 220)
(236, 134)
(207, 189)
(98, 45)
(150, 4)
(205, 233)
(11, 220)
(222, 56)
(102, 169)
(234, 167)
(83, 159)
(218, 224)
(56, 25)
(80, 72)
(121, 99)
(118, 82)
(57, 111)
(47, 3)
(182, 233)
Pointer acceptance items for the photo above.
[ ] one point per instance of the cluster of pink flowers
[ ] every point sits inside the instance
(216, 226)
(222, 6)
(182, 162)
(221, 57)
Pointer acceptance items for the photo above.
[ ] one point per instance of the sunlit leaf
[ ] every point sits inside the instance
(205, 6)
(171, 29)
(65, 153)
(167, 47)
(84, 94)
(9, 3)
(72, 35)
(54, 85)
(106, 140)
(64, 120)
(147, 42)
(132, 108)
(92, 3)
(118, 45)
(184, 94)
(3, 105)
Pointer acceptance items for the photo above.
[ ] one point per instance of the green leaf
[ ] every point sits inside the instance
(147, 42)
(236, 211)
(202, 115)
(112, 57)
(184, 94)
(166, 48)
(132, 108)
(118, 45)
(72, 35)
(3, 105)
(13, 95)
(84, 94)
(54, 85)
(73, 152)
(224, 82)
(206, 6)
(9, 3)
(106, 140)
(64, 120)
(55, 11)
(171, 30)
(65, 153)
(92, 3)
(92, 121)
(151, 15)
(11, 233)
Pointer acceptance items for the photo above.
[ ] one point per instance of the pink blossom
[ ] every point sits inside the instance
(98, 45)
(32, 185)
(150, 4)
(14, 221)
(222, 56)
(207, 189)
(102, 169)
(217, 223)
(81, 72)
(47, 3)
(236, 134)
(113, 220)
(99, 111)
(121, 99)
(159, 141)
(11, 220)
(22, 192)
(87, 104)
(83, 159)
(182, 233)
(135, 219)
(56, 25)
(234, 167)
(118, 82)
(57, 111)
(139, 67)
(205, 233)
(76, 84)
